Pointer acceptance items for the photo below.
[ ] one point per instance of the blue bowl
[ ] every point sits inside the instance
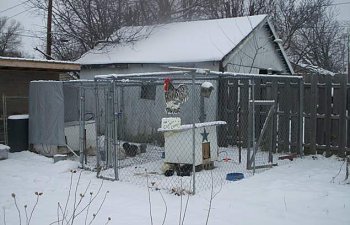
(234, 176)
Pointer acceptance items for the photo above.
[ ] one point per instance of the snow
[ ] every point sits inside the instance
(19, 117)
(197, 125)
(207, 85)
(300, 193)
(4, 147)
(316, 69)
(111, 76)
(195, 41)
(38, 60)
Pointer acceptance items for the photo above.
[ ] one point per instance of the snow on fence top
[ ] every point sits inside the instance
(195, 41)
(316, 69)
(197, 125)
(19, 117)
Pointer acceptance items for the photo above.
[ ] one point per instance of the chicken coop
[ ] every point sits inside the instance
(181, 130)
(174, 129)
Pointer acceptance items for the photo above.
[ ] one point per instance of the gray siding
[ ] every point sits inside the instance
(258, 51)
(142, 117)
(89, 73)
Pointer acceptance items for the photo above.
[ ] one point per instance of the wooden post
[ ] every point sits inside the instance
(284, 117)
(222, 111)
(274, 120)
(313, 113)
(342, 115)
(232, 111)
(49, 33)
(244, 102)
(327, 127)
(301, 118)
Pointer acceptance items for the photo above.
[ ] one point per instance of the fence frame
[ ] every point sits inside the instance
(5, 100)
(189, 75)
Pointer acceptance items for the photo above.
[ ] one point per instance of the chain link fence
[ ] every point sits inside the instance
(178, 131)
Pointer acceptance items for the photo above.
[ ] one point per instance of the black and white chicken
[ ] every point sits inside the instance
(174, 96)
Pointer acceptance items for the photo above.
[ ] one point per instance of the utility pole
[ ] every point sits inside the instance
(348, 55)
(48, 32)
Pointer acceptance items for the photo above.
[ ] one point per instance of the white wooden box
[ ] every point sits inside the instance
(178, 143)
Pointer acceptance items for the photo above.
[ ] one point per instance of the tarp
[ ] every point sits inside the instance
(46, 113)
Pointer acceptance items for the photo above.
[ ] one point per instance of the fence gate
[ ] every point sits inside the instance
(260, 155)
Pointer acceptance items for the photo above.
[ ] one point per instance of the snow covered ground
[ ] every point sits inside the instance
(301, 192)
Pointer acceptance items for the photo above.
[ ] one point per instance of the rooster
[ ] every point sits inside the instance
(174, 96)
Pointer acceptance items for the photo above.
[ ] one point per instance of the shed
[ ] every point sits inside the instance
(242, 44)
(15, 76)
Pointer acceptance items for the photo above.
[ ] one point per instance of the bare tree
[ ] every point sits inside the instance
(319, 44)
(164, 11)
(310, 32)
(308, 28)
(235, 8)
(79, 24)
(10, 40)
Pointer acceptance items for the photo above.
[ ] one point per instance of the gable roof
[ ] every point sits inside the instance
(183, 42)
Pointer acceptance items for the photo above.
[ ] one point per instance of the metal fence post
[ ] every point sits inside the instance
(81, 124)
(253, 124)
(301, 118)
(115, 132)
(97, 126)
(193, 135)
(4, 115)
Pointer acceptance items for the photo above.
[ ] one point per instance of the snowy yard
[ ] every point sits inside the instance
(300, 192)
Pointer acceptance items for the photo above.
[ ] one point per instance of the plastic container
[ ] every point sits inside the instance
(234, 176)
(17, 129)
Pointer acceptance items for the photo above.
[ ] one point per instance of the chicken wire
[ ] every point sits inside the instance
(133, 146)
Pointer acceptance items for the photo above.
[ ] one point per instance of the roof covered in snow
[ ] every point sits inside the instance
(182, 42)
(38, 64)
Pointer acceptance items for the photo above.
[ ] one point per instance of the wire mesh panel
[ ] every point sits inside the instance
(80, 120)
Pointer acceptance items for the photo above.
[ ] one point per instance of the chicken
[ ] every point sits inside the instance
(130, 149)
(174, 96)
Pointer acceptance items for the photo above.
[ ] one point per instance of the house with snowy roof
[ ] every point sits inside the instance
(242, 45)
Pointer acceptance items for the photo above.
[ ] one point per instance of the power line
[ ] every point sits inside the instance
(12, 7)
(18, 14)
(31, 36)
(340, 3)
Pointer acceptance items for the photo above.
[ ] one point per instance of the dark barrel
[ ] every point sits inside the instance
(17, 130)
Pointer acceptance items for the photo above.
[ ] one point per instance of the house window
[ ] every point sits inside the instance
(148, 91)
(265, 71)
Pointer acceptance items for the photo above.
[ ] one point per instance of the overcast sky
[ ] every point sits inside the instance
(34, 25)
